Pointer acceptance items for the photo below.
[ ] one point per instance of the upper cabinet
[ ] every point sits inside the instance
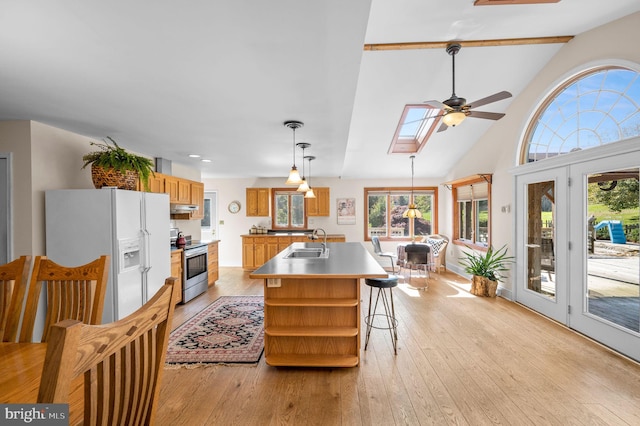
(197, 198)
(319, 206)
(258, 201)
(181, 191)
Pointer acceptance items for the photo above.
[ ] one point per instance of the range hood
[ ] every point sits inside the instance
(182, 208)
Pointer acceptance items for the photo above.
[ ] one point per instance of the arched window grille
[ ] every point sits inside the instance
(594, 108)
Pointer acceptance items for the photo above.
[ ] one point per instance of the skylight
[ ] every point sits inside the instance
(416, 125)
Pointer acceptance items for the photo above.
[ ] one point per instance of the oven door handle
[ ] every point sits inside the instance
(195, 251)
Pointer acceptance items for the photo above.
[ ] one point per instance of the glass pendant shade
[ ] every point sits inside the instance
(294, 177)
(310, 194)
(412, 212)
(304, 186)
(454, 118)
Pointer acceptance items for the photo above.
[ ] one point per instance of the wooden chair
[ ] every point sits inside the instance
(72, 293)
(13, 285)
(122, 362)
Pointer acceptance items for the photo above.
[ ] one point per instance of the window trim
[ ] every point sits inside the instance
(468, 181)
(420, 189)
(274, 207)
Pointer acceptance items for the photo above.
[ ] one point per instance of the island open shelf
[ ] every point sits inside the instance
(312, 306)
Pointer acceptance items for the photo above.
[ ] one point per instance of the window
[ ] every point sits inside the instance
(385, 207)
(416, 125)
(471, 209)
(289, 209)
(594, 108)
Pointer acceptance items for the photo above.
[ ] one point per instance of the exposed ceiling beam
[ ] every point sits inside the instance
(468, 43)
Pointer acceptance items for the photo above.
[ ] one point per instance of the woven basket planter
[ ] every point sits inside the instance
(111, 177)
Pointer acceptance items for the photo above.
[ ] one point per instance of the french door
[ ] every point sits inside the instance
(578, 257)
(542, 214)
(604, 264)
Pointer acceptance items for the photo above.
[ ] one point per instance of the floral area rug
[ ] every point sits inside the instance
(230, 330)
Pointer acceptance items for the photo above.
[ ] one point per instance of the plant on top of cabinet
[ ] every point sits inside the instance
(111, 165)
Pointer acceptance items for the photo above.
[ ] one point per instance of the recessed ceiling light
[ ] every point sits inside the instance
(204, 160)
(194, 155)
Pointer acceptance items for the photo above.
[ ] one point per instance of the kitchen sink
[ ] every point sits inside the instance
(307, 253)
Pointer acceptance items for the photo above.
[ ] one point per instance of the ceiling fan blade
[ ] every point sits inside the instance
(487, 115)
(437, 104)
(442, 128)
(489, 99)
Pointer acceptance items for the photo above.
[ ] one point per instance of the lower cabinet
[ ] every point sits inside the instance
(176, 271)
(257, 250)
(212, 266)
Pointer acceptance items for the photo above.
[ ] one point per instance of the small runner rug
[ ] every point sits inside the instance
(230, 330)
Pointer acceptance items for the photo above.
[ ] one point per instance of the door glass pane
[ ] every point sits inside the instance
(540, 238)
(613, 264)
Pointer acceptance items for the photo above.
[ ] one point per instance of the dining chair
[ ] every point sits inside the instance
(122, 362)
(418, 255)
(14, 277)
(378, 251)
(72, 293)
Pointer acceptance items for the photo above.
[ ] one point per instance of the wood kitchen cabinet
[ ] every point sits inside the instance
(176, 271)
(171, 188)
(258, 201)
(321, 205)
(212, 263)
(254, 252)
(197, 198)
(258, 249)
(184, 191)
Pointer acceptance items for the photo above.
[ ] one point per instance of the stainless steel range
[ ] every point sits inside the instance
(195, 277)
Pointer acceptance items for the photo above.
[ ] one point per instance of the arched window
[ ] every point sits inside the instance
(594, 108)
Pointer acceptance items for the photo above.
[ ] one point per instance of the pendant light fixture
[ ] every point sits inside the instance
(412, 212)
(304, 186)
(309, 193)
(294, 176)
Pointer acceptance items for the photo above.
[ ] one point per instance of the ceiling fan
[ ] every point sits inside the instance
(456, 109)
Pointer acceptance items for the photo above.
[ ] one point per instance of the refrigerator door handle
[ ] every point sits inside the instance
(147, 250)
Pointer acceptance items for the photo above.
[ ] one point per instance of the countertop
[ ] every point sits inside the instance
(346, 260)
(291, 234)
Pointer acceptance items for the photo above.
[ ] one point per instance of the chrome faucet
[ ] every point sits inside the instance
(314, 236)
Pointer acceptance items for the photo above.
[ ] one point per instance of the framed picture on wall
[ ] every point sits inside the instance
(346, 211)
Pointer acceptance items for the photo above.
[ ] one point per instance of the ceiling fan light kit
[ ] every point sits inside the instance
(456, 109)
(453, 118)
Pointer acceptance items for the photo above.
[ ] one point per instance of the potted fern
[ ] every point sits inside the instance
(486, 269)
(111, 165)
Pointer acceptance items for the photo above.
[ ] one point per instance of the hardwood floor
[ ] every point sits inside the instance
(461, 360)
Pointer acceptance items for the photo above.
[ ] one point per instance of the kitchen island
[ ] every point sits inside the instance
(312, 305)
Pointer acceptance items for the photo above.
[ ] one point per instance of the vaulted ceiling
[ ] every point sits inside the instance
(219, 78)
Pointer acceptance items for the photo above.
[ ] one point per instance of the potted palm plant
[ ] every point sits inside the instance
(111, 165)
(486, 269)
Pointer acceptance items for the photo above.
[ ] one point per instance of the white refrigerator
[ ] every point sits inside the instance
(130, 226)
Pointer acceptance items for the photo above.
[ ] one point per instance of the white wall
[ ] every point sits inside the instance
(235, 225)
(499, 149)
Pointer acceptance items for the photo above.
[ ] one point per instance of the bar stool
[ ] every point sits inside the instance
(382, 284)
